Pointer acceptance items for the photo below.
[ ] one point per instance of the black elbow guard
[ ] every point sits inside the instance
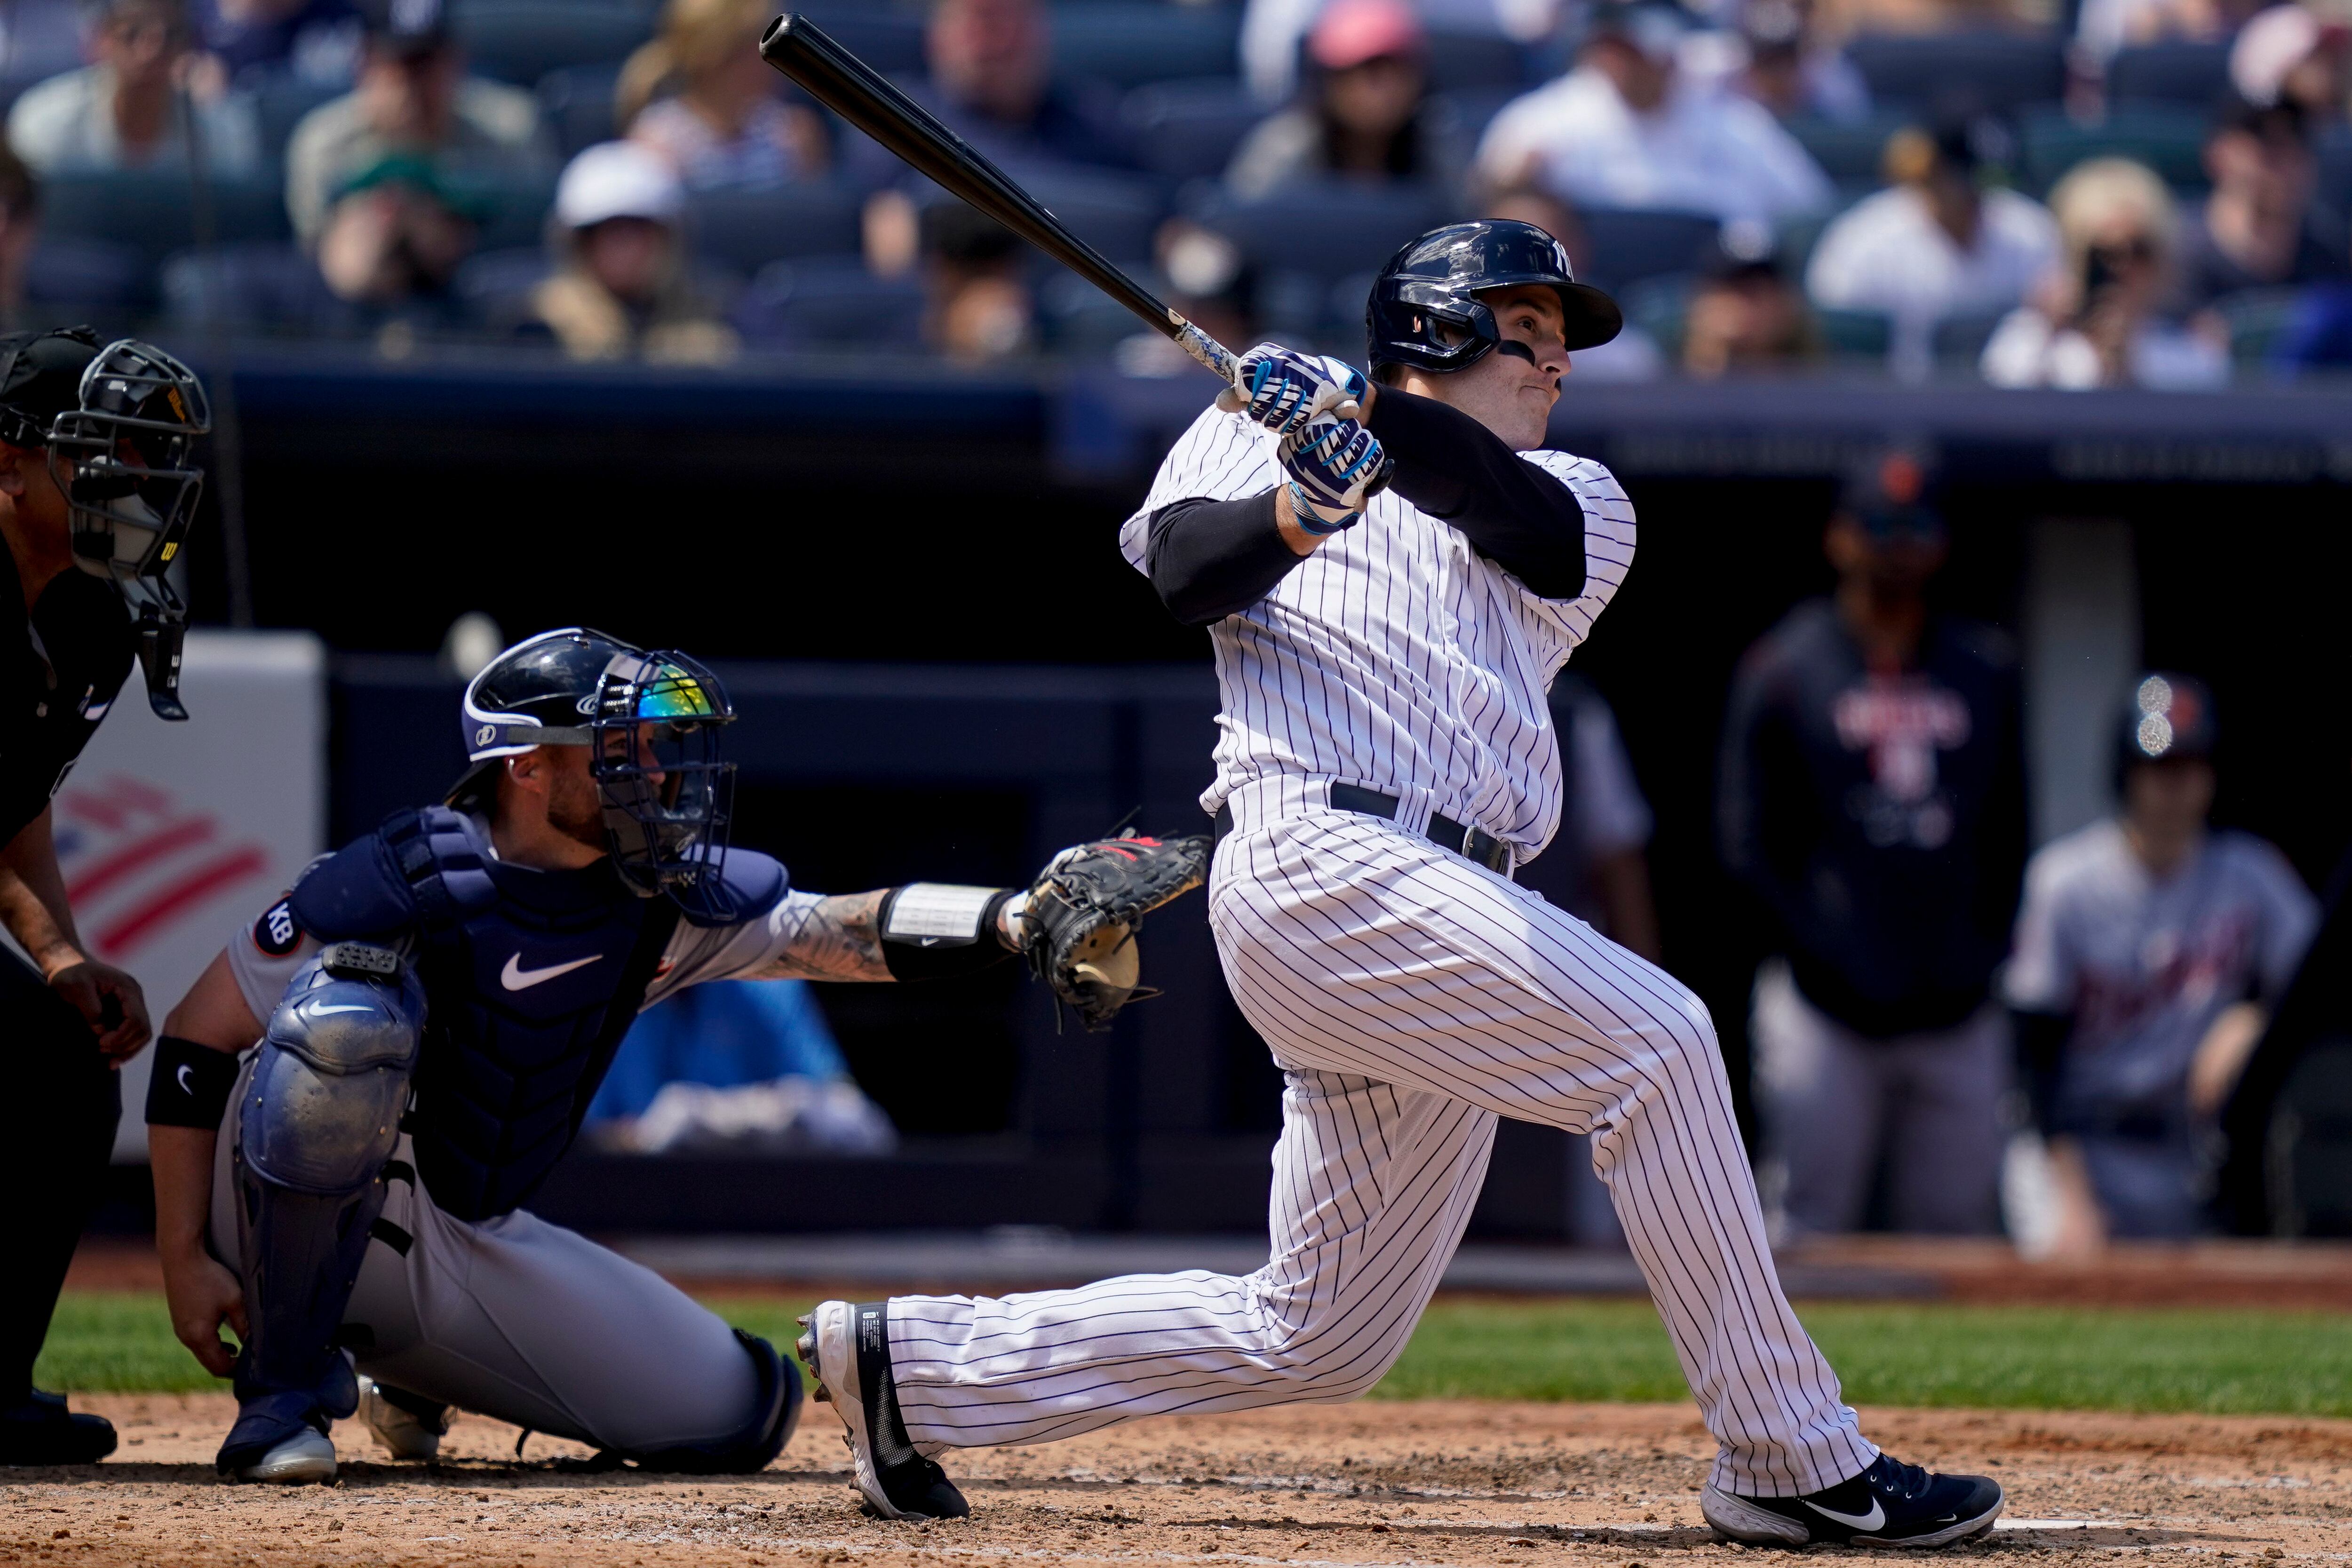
(191, 1084)
(937, 931)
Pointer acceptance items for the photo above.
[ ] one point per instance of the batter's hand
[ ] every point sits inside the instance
(1283, 389)
(110, 1001)
(1333, 465)
(201, 1296)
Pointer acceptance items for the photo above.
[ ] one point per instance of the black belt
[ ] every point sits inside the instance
(1470, 843)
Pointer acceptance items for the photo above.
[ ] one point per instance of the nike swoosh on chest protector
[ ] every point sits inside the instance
(515, 977)
(1870, 1521)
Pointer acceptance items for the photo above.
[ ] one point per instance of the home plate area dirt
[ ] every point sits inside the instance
(1437, 1482)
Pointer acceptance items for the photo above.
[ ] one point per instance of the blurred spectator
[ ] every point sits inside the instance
(1746, 314)
(1272, 30)
(1780, 60)
(1633, 354)
(991, 80)
(979, 306)
(2287, 55)
(701, 95)
(623, 288)
(1622, 130)
(396, 233)
(2258, 228)
(2104, 27)
(1935, 245)
(1210, 283)
(2094, 320)
(132, 107)
(309, 40)
(1366, 114)
(20, 230)
(1595, 867)
(2147, 952)
(1873, 798)
(414, 114)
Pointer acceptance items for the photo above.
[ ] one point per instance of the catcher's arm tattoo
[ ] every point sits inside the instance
(838, 938)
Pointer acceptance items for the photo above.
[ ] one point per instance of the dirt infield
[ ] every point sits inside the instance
(1440, 1482)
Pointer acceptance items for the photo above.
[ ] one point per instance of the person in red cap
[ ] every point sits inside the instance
(1364, 113)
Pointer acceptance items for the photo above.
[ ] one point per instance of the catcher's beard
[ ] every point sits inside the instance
(576, 809)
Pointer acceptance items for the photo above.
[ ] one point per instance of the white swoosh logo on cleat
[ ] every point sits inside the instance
(1870, 1521)
(515, 977)
(340, 1007)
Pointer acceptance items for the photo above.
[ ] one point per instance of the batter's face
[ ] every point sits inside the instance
(1511, 390)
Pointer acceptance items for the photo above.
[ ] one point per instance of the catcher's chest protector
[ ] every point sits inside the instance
(532, 978)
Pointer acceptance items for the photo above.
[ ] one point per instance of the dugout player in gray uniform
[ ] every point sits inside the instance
(97, 491)
(442, 998)
(2149, 951)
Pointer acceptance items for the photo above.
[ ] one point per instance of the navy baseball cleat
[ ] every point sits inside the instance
(39, 1430)
(848, 1351)
(1889, 1504)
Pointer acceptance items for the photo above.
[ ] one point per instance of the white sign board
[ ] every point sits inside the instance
(171, 835)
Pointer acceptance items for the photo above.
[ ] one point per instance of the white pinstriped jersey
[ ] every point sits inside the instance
(1396, 657)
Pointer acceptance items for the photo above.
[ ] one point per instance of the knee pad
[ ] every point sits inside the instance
(752, 1449)
(322, 1110)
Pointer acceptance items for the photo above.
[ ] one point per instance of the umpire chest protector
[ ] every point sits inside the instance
(532, 978)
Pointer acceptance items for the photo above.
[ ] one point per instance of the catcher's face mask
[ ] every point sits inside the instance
(125, 463)
(654, 752)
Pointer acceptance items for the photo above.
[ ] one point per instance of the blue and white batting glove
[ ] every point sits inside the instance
(1332, 466)
(1283, 389)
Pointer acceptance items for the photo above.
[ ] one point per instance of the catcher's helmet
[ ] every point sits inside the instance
(1425, 310)
(651, 721)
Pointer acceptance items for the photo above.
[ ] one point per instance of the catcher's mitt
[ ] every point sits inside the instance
(1079, 924)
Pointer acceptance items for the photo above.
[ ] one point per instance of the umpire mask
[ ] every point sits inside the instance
(125, 459)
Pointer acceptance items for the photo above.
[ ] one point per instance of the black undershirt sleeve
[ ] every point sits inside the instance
(1459, 472)
(1211, 559)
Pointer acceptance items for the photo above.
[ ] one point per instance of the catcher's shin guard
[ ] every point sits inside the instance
(319, 1118)
(776, 1411)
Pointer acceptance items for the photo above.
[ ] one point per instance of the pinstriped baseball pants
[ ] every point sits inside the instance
(1412, 998)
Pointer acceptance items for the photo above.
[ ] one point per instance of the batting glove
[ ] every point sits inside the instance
(1332, 466)
(1283, 389)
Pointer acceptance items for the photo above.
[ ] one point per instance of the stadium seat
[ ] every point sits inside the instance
(1462, 61)
(1793, 239)
(2257, 318)
(1189, 130)
(1326, 230)
(1959, 341)
(576, 103)
(2334, 185)
(96, 280)
(888, 39)
(1077, 318)
(2177, 75)
(494, 286)
(520, 41)
(1979, 72)
(1659, 307)
(1128, 42)
(1851, 155)
(1854, 334)
(2169, 140)
(1116, 214)
(513, 207)
(280, 103)
(1626, 246)
(254, 290)
(1472, 109)
(154, 211)
(747, 230)
(830, 302)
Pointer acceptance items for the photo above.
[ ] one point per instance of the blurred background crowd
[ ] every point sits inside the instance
(2065, 193)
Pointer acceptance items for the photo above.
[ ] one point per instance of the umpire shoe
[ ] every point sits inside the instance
(846, 1350)
(39, 1430)
(1889, 1504)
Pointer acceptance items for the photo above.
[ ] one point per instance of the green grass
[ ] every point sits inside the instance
(2251, 1362)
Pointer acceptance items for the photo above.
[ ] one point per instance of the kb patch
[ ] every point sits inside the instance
(275, 933)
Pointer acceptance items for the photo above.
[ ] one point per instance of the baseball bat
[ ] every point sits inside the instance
(859, 94)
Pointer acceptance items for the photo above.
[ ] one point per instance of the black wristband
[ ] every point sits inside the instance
(940, 932)
(191, 1084)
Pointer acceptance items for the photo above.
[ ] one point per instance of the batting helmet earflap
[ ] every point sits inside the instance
(1425, 311)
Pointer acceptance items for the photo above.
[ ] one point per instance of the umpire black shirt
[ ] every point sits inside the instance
(60, 669)
(1880, 815)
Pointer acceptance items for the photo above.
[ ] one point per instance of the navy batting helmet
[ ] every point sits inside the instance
(1425, 311)
(2169, 716)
